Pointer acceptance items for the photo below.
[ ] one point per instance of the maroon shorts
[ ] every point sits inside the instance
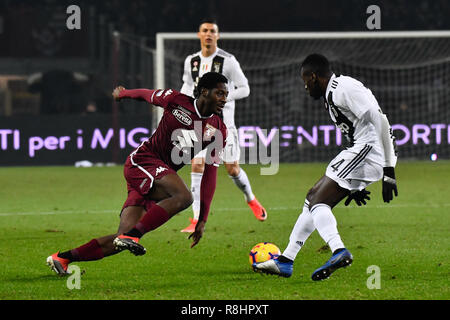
(140, 173)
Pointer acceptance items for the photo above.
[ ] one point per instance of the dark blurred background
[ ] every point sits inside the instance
(72, 70)
(48, 70)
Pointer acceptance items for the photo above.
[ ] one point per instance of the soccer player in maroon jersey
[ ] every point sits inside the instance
(155, 191)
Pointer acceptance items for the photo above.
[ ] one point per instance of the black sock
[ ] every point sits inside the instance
(66, 255)
(284, 259)
(135, 233)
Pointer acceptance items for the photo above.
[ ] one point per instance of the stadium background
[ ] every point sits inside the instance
(55, 83)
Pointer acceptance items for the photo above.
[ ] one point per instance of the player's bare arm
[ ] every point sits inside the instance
(120, 93)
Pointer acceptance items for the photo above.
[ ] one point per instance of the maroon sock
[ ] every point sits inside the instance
(88, 252)
(154, 218)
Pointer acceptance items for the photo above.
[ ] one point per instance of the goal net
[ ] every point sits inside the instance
(408, 72)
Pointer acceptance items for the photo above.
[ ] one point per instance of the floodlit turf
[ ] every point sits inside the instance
(45, 209)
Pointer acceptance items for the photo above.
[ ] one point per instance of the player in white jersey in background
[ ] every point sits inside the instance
(370, 157)
(212, 58)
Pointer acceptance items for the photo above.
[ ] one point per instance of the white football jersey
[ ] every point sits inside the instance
(222, 62)
(347, 99)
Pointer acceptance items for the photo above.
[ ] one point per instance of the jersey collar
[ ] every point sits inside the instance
(211, 56)
(198, 113)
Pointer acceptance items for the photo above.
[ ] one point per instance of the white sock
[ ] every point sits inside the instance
(196, 180)
(326, 225)
(302, 230)
(242, 182)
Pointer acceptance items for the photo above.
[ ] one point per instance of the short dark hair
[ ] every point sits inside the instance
(317, 64)
(209, 81)
(208, 20)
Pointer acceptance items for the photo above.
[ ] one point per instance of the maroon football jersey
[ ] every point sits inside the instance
(182, 131)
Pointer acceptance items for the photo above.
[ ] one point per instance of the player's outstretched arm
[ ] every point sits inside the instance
(120, 93)
(207, 189)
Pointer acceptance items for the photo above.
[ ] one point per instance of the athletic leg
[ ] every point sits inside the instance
(128, 219)
(240, 179)
(97, 248)
(323, 197)
(300, 233)
(327, 191)
(172, 196)
(325, 194)
(304, 225)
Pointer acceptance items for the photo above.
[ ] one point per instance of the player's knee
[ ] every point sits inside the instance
(189, 199)
(198, 167)
(310, 195)
(233, 171)
(313, 197)
(184, 200)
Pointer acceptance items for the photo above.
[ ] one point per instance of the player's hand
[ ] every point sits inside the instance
(116, 92)
(360, 197)
(198, 233)
(389, 184)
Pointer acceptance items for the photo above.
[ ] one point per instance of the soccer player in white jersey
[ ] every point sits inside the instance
(370, 157)
(212, 58)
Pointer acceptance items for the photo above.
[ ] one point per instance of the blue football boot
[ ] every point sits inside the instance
(273, 266)
(338, 260)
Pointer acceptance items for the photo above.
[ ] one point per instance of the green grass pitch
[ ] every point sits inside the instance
(45, 209)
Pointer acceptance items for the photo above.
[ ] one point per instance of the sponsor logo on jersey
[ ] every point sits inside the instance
(209, 132)
(217, 66)
(182, 116)
(184, 109)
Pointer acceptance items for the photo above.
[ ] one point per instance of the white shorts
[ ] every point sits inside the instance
(232, 151)
(356, 168)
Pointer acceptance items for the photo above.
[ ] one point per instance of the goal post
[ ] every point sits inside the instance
(408, 72)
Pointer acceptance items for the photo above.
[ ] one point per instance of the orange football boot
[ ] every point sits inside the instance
(57, 264)
(123, 242)
(258, 210)
(191, 227)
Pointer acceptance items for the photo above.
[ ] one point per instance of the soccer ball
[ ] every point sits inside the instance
(263, 251)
